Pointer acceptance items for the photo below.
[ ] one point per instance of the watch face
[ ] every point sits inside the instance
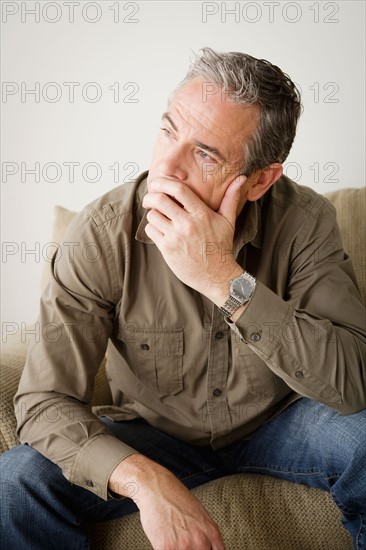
(243, 288)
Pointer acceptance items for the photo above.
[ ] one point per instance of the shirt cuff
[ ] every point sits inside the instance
(267, 326)
(262, 323)
(96, 461)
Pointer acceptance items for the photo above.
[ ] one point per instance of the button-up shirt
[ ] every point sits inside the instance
(173, 358)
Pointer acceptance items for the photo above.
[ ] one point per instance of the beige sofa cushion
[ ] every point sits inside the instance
(61, 220)
(253, 512)
(351, 215)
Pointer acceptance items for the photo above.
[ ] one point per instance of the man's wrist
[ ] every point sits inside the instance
(241, 289)
(127, 474)
(220, 294)
(235, 316)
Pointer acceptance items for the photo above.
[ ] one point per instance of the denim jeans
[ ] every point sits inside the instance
(307, 443)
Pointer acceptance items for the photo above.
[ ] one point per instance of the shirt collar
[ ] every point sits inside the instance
(248, 226)
(141, 211)
(140, 233)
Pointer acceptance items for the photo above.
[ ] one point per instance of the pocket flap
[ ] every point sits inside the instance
(154, 342)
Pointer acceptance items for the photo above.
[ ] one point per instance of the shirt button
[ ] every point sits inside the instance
(145, 347)
(217, 392)
(219, 335)
(299, 374)
(255, 337)
(89, 483)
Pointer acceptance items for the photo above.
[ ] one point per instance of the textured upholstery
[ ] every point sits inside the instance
(351, 215)
(253, 512)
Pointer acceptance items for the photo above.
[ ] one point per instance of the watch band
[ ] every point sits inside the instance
(234, 301)
(230, 306)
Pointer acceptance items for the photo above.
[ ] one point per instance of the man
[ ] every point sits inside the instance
(235, 327)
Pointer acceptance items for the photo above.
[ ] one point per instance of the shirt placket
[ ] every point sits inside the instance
(219, 359)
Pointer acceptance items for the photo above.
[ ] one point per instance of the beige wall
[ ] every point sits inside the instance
(145, 48)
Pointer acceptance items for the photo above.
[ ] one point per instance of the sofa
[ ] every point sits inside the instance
(254, 512)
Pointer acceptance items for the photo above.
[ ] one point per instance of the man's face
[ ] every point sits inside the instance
(200, 142)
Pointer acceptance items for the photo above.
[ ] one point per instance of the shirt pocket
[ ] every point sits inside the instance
(156, 358)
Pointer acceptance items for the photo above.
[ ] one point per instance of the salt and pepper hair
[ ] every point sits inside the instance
(246, 80)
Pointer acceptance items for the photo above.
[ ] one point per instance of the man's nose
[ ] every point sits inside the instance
(173, 164)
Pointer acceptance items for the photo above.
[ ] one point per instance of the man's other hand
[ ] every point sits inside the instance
(170, 515)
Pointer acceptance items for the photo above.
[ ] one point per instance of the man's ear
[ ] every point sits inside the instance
(263, 180)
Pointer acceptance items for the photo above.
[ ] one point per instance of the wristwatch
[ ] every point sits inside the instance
(241, 291)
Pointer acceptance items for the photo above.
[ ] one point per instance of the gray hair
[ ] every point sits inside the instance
(250, 81)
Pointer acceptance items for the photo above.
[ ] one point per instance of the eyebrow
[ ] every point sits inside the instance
(204, 146)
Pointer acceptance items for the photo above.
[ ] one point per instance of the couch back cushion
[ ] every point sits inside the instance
(351, 215)
(62, 217)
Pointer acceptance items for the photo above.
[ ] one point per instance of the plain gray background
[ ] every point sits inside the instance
(102, 71)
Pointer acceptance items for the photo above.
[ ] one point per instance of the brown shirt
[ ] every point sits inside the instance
(172, 357)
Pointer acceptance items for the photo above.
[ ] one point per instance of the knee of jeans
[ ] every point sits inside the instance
(20, 464)
(359, 449)
(355, 439)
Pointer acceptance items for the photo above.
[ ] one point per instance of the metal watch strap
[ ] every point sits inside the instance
(232, 303)
(230, 306)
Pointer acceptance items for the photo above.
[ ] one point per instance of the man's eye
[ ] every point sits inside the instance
(166, 131)
(205, 156)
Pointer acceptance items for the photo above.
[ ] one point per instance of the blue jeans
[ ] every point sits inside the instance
(307, 443)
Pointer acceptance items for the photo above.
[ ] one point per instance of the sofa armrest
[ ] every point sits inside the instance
(11, 367)
(13, 356)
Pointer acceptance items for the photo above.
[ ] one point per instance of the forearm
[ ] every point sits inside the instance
(70, 435)
(139, 478)
(314, 357)
(170, 514)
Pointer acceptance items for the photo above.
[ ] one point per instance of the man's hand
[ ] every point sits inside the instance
(195, 241)
(171, 516)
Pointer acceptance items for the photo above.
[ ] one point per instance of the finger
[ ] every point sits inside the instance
(155, 235)
(217, 540)
(159, 221)
(218, 545)
(163, 203)
(229, 203)
(180, 192)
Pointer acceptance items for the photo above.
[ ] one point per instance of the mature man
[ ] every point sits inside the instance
(235, 328)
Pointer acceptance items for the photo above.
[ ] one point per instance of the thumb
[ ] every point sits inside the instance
(229, 203)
